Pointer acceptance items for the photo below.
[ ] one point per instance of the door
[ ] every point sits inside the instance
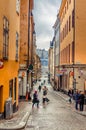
(1, 97)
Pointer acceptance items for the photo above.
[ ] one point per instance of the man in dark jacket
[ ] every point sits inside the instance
(81, 101)
(35, 99)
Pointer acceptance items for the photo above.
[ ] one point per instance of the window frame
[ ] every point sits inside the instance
(18, 6)
(5, 38)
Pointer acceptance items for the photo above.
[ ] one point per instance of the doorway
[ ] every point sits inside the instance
(1, 98)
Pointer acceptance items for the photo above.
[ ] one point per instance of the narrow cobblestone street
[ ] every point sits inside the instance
(56, 115)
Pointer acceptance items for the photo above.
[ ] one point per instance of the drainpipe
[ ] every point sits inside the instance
(59, 56)
(28, 40)
(74, 80)
(54, 63)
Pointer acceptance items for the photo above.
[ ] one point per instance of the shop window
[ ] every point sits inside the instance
(11, 88)
(5, 38)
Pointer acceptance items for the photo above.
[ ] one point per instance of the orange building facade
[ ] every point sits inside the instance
(72, 44)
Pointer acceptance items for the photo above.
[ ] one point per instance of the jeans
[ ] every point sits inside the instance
(76, 105)
(81, 106)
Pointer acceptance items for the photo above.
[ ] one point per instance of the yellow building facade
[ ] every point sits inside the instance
(9, 52)
(72, 43)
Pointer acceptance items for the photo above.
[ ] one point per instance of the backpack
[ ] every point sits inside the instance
(35, 96)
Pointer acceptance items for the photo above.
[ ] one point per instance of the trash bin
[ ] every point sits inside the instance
(8, 108)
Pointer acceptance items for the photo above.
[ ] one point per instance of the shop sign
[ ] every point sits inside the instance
(23, 74)
(1, 64)
(71, 73)
(63, 70)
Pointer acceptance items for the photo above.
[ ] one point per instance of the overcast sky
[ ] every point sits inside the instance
(45, 12)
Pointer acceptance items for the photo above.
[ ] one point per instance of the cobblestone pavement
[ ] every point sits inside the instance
(72, 105)
(57, 115)
(19, 118)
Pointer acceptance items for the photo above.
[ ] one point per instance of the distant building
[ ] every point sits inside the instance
(43, 54)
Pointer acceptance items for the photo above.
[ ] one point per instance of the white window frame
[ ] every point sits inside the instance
(18, 6)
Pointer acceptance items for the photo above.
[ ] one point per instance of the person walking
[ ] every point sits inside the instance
(35, 99)
(81, 101)
(39, 88)
(70, 95)
(77, 96)
(45, 99)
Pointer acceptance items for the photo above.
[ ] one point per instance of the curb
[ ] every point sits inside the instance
(21, 125)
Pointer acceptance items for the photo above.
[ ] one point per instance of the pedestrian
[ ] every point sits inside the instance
(45, 99)
(81, 101)
(29, 96)
(70, 95)
(39, 88)
(77, 96)
(35, 99)
(44, 82)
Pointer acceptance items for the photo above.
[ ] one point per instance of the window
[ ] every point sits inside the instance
(67, 4)
(11, 88)
(69, 1)
(65, 9)
(69, 23)
(67, 26)
(63, 33)
(18, 6)
(5, 38)
(60, 37)
(17, 39)
(72, 51)
(65, 30)
(73, 18)
(69, 52)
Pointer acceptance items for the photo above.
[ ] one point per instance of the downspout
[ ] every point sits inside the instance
(28, 39)
(59, 56)
(74, 79)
